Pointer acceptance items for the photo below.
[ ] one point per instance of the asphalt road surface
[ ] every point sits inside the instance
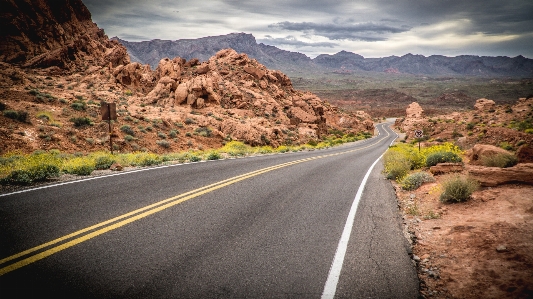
(259, 227)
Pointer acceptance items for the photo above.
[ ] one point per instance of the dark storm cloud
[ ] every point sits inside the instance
(291, 40)
(339, 31)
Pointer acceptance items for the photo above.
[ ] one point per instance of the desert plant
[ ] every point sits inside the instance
(163, 143)
(79, 105)
(21, 116)
(235, 148)
(129, 138)
(442, 157)
(161, 135)
(415, 180)
(213, 155)
(81, 121)
(79, 166)
(173, 133)
(457, 188)
(103, 161)
(203, 131)
(28, 169)
(396, 165)
(502, 160)
(128, 130)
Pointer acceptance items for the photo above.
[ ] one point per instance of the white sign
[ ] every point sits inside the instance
(418, 133)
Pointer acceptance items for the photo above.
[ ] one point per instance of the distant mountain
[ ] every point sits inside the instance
(150, 52)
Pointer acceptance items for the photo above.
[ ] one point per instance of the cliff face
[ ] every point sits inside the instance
(60, 33)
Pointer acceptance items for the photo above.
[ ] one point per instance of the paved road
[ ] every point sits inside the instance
(260, 227)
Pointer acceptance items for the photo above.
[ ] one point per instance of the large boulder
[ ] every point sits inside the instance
(494, 176)
(484, 105)
(482, 150)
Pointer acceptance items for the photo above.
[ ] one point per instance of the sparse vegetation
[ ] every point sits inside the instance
(81, 121)
(442, 157)
(415, 180)
(457, 188)
(501, 160)
(21, 116)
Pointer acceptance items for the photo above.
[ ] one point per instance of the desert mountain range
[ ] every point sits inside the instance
(150, 52)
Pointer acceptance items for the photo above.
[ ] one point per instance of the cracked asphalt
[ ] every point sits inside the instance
(270, 234)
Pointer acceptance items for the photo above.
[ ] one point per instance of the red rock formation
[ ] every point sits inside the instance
(483, 150)
(38, 33)
(484, 105)
(494, 176)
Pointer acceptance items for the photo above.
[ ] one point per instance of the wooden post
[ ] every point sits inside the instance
(110, 130)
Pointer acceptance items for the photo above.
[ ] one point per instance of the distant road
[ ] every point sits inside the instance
(258, 227)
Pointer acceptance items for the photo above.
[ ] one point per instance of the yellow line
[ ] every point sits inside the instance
(152, 209)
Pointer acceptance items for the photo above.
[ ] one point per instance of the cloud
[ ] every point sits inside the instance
(292, 41)
(342, 31)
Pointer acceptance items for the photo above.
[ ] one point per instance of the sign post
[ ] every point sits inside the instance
(109, 113)
(419, 134)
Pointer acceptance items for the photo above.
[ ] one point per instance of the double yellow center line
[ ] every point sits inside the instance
(34, 254)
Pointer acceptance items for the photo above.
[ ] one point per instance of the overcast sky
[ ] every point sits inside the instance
(372, 28)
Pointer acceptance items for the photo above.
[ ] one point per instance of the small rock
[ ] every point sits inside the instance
(416, 258)
(501, 248)
(115, 167)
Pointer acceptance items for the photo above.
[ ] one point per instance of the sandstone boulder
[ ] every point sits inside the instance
(480, 150)
(525, 153)
(443, 168)
(484, 105)
(494, 176)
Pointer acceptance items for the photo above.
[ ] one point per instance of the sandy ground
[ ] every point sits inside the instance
(482, 248)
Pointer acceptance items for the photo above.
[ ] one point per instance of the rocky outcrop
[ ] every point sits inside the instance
(482, 150)
(494, 176)
(443, 168)
(38, 33)
(525, 154)
(265, 101)
(484, 105)
(414, 120)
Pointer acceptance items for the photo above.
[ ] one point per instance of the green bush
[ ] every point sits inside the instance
(163, 143)
(501, 160)
(457, 188)
(213, 155)
(173, 133)
(17, 115)
(27, 169)
(79, 105)
(442, 157)
(81, 121)
(194, 158)
(104, 162)
(203, 131)
(128, 130)
(415, 180)
(235, 148)
(128, 138)
(79, 166)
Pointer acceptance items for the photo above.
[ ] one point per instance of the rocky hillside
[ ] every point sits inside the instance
(506, 126)
(58, 66)
(38, 33)
(150, 52)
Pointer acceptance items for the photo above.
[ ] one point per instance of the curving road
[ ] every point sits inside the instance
(260, 227)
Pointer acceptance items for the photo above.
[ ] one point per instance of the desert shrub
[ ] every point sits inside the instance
(103, 160)
(235, 148)
(128, 130)
(173, 133)
(21, 116)
(81, 121)
(146, 159)
(282, 149)
(128, 138)
(79, 105)
(27, 169)
(193, 157)
(161, 135)
(3, 106)
(213, 155)
(396, 165)
(265, 149)
(501, 160)
(163, 143)
(415, 180)
(442, 157)
(203, 131)
(189, 121)
(457, 188)
(529, 131)
(506, 146)
(79, 166)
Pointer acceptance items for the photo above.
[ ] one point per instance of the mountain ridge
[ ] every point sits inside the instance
(150, 52)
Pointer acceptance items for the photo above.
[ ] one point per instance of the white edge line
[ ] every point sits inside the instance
(335, 271)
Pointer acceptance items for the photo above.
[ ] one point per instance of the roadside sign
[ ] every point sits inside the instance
(419, 133)
(108, 111)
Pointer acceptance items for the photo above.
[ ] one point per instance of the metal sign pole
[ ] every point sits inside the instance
(110, 130)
